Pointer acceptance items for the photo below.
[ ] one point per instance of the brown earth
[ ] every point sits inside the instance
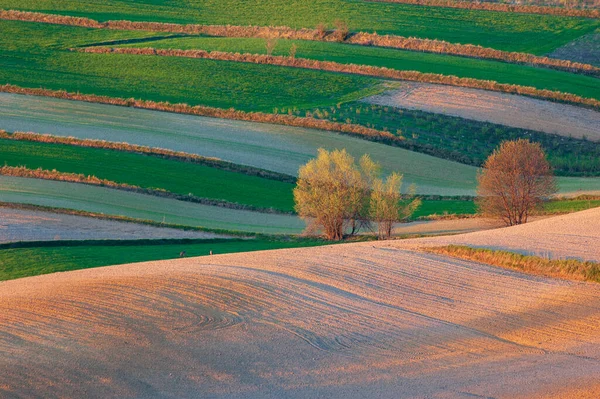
(501, 108)
(584, 49)
(366, 320)
(575, 235)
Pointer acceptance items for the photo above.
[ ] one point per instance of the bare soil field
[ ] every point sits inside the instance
(585, 49)
(352, 321)
(30, 225)
(576, 235)
(504, 109)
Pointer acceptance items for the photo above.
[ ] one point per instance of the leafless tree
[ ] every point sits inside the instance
(515, 179)
(270, 45)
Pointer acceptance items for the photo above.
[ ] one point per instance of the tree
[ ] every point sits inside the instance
(334, 194)
(270, 45)
(388, 206)
(293, 49)
(327, 190)
(515, 179)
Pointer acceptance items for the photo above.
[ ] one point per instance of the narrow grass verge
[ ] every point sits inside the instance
(569, 269)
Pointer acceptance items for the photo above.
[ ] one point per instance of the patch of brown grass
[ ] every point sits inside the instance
(570, 269)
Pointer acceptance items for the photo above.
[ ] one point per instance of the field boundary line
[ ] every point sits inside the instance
(354, 69)
(500, 7)
(78, 178)
(357, 38)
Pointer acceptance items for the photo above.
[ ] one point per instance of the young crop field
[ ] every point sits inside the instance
(37, 55)
(151, 172)
(469, 141)
(32, 260)
(142, 207)
(536, 34)
(502, 72)
(278, 148)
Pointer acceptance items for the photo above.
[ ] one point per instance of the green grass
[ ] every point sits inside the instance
(502, 72)
(463, 140)
(150, 172)
(571, 205)
(506, 31)
(143, 207)
(43, 258)
(36, 55)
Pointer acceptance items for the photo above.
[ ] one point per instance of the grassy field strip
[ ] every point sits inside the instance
(139, 206)
(357, 38)
(279, 148)
(537, 34)
(347, 69)
(36, 55)
(147, 172)
(42, 258)
(501, 72)
(39, 225)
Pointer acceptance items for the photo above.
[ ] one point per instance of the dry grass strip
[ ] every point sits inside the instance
(570, 269)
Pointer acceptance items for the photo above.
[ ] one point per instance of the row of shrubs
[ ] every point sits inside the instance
(503, 7)
(320, 34)
(157, 152)
(381, 72)
(22, 171)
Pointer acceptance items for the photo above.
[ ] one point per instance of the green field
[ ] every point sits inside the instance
(150, 172)
(541, 78)
(463, 140)
(143, 207)
(175, 176)
(537, 34)
(278, 148)
(36, 55)
(43, 258)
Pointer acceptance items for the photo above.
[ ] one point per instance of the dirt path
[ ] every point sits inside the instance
(574, 235)
(29, 225)
(346, 321)
(500, 108)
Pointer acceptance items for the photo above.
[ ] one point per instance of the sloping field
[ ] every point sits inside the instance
(279, 148)
(537, 34)
(37, 55)
(502, 72)
(576, 235)
(30, 225)
(501, 108)
(352, 321)
(139, 206)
